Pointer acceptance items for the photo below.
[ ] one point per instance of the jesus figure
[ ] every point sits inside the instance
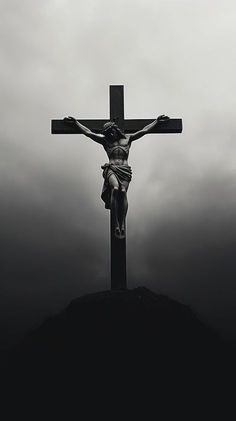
(117, 173)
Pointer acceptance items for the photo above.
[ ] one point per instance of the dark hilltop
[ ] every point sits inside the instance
(128, 348)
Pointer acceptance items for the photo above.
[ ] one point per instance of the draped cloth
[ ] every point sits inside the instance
(122, 173)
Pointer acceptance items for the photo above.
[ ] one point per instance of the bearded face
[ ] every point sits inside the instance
(112, 131)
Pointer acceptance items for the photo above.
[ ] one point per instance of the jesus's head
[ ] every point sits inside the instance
(112, 131)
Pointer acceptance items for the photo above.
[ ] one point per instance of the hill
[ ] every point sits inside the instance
(129, 347)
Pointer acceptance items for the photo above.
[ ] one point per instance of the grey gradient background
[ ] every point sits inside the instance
(58, 58)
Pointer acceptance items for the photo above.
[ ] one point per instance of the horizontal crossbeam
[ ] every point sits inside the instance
(174, 125)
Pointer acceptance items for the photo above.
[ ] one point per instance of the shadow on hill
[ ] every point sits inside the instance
(127, 348)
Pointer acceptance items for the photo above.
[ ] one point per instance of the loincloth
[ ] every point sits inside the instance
(122, 173)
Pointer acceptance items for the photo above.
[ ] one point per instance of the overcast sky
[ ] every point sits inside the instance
(58, 58)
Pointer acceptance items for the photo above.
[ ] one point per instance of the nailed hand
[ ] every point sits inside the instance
(70, 119)
(163, 117)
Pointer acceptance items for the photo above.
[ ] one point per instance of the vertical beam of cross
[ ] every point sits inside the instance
(118, 246)
(117, 105)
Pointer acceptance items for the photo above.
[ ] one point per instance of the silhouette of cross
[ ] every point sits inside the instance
(118, 246)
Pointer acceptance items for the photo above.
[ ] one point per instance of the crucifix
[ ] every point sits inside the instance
(116, 135)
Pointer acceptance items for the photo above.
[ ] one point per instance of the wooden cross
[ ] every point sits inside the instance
(118, 246)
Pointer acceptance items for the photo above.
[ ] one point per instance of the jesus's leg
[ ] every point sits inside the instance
(123, 208)
(114, 203)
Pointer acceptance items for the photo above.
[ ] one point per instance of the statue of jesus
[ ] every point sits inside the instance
(117, 173)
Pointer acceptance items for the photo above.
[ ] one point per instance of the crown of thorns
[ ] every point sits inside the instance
(108, 126)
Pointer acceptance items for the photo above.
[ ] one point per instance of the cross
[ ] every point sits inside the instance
(118, 246)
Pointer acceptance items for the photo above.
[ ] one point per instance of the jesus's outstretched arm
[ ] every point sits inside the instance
(148, 128)
(99, 138)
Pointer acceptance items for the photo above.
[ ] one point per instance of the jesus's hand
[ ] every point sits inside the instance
(70, 119)
(163, 117)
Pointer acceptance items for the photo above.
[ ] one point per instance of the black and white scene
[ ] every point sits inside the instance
(118, 207)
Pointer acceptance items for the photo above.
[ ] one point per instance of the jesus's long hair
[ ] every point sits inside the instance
(109, 126)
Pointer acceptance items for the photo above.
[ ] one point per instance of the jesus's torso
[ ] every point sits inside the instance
(118, 150)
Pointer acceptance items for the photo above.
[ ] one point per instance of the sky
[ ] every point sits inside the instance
(58, 58)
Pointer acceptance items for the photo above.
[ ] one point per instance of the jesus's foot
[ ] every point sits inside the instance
(117, 232)
(122, 232)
